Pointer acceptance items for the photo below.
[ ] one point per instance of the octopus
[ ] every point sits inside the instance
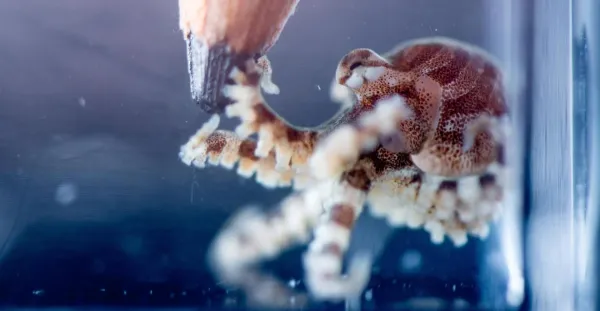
(419, 139)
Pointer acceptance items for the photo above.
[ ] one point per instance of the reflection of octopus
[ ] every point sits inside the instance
(419, 138)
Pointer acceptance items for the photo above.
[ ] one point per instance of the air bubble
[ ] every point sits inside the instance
(66, 193)
(38, 292)
(369, 295)
(411, 261)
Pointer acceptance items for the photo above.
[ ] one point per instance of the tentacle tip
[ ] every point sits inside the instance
(232, 110)
(269, 87)
(184, 157)
(459, 239)
(213, 123)
(267, 183)
(192, 156)
(388, 112)
(359, 274)
(269, 178)
(482, 231)
(340, 288)
(341, 94)
(437, 238)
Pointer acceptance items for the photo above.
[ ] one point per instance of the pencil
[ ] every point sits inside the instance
(221, 34)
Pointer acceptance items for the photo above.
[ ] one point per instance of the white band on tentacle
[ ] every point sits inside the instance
(341, 149)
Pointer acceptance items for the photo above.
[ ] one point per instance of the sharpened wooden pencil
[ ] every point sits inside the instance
(221, 34)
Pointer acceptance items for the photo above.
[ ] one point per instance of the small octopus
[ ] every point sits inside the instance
(419, 138)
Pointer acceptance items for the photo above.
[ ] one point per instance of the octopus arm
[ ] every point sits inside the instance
(442, 206)
(226, 149)
(266, 80)
(328, 210)
(341, 149)
(291, 145)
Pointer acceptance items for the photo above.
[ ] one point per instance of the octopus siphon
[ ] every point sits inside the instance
(419, 138)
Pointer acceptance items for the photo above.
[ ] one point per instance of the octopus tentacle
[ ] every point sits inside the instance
(266, 73)
(496, 127)
(323, 261)
(226, 149)
(341, 149)
(251, 237)
(445, 205)
(441, 206)
(292, 146)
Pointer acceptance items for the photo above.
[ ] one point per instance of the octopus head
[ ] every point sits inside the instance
(360, 66)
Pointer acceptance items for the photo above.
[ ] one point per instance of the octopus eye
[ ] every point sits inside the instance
(354, 65)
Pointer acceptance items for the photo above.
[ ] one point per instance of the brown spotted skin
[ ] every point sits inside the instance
(217, 141)
(447, 85)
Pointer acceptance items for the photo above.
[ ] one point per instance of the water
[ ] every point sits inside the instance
(97, 210)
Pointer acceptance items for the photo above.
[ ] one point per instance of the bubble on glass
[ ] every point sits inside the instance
(293, 283)
(38, 292)
(66, 193)
(81, 101)
(410, 261)
(369, 294)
